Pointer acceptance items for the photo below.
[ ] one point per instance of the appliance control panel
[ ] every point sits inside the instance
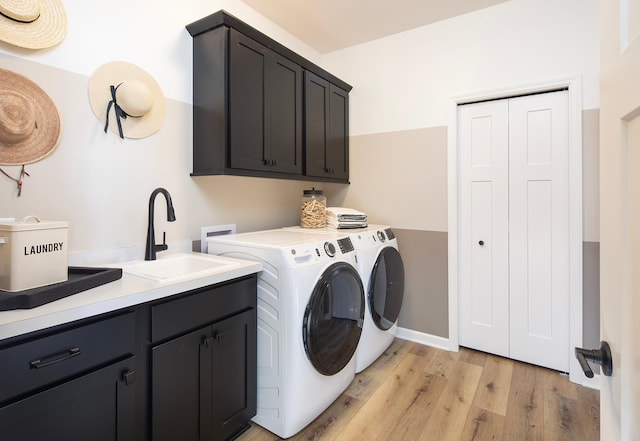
(346, 246)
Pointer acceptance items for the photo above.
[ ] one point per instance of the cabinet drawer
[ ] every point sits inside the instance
(201, 307)
(98, 406)
(37, 363)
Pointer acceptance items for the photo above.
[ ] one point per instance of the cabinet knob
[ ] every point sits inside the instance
(481, 243)
(129, 377)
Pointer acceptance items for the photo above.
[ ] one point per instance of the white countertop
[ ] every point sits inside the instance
(128, 291)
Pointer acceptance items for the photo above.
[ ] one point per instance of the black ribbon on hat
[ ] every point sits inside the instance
(19, 21)
(120, 114)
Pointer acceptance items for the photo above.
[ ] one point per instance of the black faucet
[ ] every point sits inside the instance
(152, 247)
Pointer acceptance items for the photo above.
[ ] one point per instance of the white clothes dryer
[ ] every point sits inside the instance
(310, 315)
(382, 272)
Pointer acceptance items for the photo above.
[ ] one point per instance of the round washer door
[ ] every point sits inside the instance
(386, 288)
(333, 319)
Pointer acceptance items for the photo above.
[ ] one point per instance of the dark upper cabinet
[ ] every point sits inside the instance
(253, 115)
(265, 108)
(326, 129)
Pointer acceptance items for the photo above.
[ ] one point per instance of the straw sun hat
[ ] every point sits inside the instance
(126, 100)
(30, 124)
(32, 24)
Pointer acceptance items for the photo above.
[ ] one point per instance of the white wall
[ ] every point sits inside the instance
(405, 83)
(101, 184)
(149, 33)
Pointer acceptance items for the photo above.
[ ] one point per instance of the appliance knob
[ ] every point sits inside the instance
(381, 236)
(330, 249)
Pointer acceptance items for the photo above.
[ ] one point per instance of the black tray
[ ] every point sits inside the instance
(80, 279)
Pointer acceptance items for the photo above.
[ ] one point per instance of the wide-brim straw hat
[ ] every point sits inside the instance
(30, 123)
(32, 24)
(137, 94)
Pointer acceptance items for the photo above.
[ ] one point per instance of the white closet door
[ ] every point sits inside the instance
(484, 265)
(539, 229)
(514, 228)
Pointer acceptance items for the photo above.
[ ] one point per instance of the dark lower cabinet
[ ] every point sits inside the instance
(204, 364)
(204, 383)
(98, 406)
(175, 388)
(228, 368)
(180, 369)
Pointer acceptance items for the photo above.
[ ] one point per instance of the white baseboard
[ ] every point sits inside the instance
(424, 338)
(444, 344)
(592, 383)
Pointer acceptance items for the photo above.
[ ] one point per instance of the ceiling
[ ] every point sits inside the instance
(329, 25)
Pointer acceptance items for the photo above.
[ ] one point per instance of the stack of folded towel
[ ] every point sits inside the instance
(343, 218)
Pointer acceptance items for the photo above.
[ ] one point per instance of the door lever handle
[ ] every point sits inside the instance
(600, 356)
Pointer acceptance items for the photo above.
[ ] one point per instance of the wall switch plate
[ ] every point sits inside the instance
(214, 230)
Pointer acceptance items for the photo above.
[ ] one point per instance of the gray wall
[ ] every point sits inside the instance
(425, 253)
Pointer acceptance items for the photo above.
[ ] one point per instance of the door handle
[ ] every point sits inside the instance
(600, 356)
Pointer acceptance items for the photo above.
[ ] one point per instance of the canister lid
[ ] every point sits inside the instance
(30, 223)
(312, 192)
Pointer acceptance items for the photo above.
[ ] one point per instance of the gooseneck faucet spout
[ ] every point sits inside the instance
(151, 246)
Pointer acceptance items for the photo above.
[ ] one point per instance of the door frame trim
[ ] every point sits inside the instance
(574, 86)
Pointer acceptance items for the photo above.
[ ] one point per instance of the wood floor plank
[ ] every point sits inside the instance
(589, 410)
(525, 411)
(443, 363)
(403, 388)
(417, 393)
(483, 425)
(472, 356)
(495, 384)
(329, 425)
(558, 383)
(367, 381)
(561, 419)
(409, 422)
(448, 419)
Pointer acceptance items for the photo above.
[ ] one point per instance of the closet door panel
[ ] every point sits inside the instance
(483, 285)
(539, 229)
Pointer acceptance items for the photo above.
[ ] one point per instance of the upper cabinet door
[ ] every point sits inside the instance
(284, 115)
(247, 103)
(326, 126)
(265, 107)
(338, 136)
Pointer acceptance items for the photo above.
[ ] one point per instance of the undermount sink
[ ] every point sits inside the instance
(179, 266)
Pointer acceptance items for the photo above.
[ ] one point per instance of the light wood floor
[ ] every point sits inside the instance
(414, 392)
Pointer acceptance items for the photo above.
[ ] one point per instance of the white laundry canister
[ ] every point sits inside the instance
(33, 253)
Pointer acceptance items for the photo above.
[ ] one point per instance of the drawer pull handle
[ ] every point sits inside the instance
(40, 363)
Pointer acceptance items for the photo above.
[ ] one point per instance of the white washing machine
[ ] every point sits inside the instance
(382, 271)
(311, 310)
